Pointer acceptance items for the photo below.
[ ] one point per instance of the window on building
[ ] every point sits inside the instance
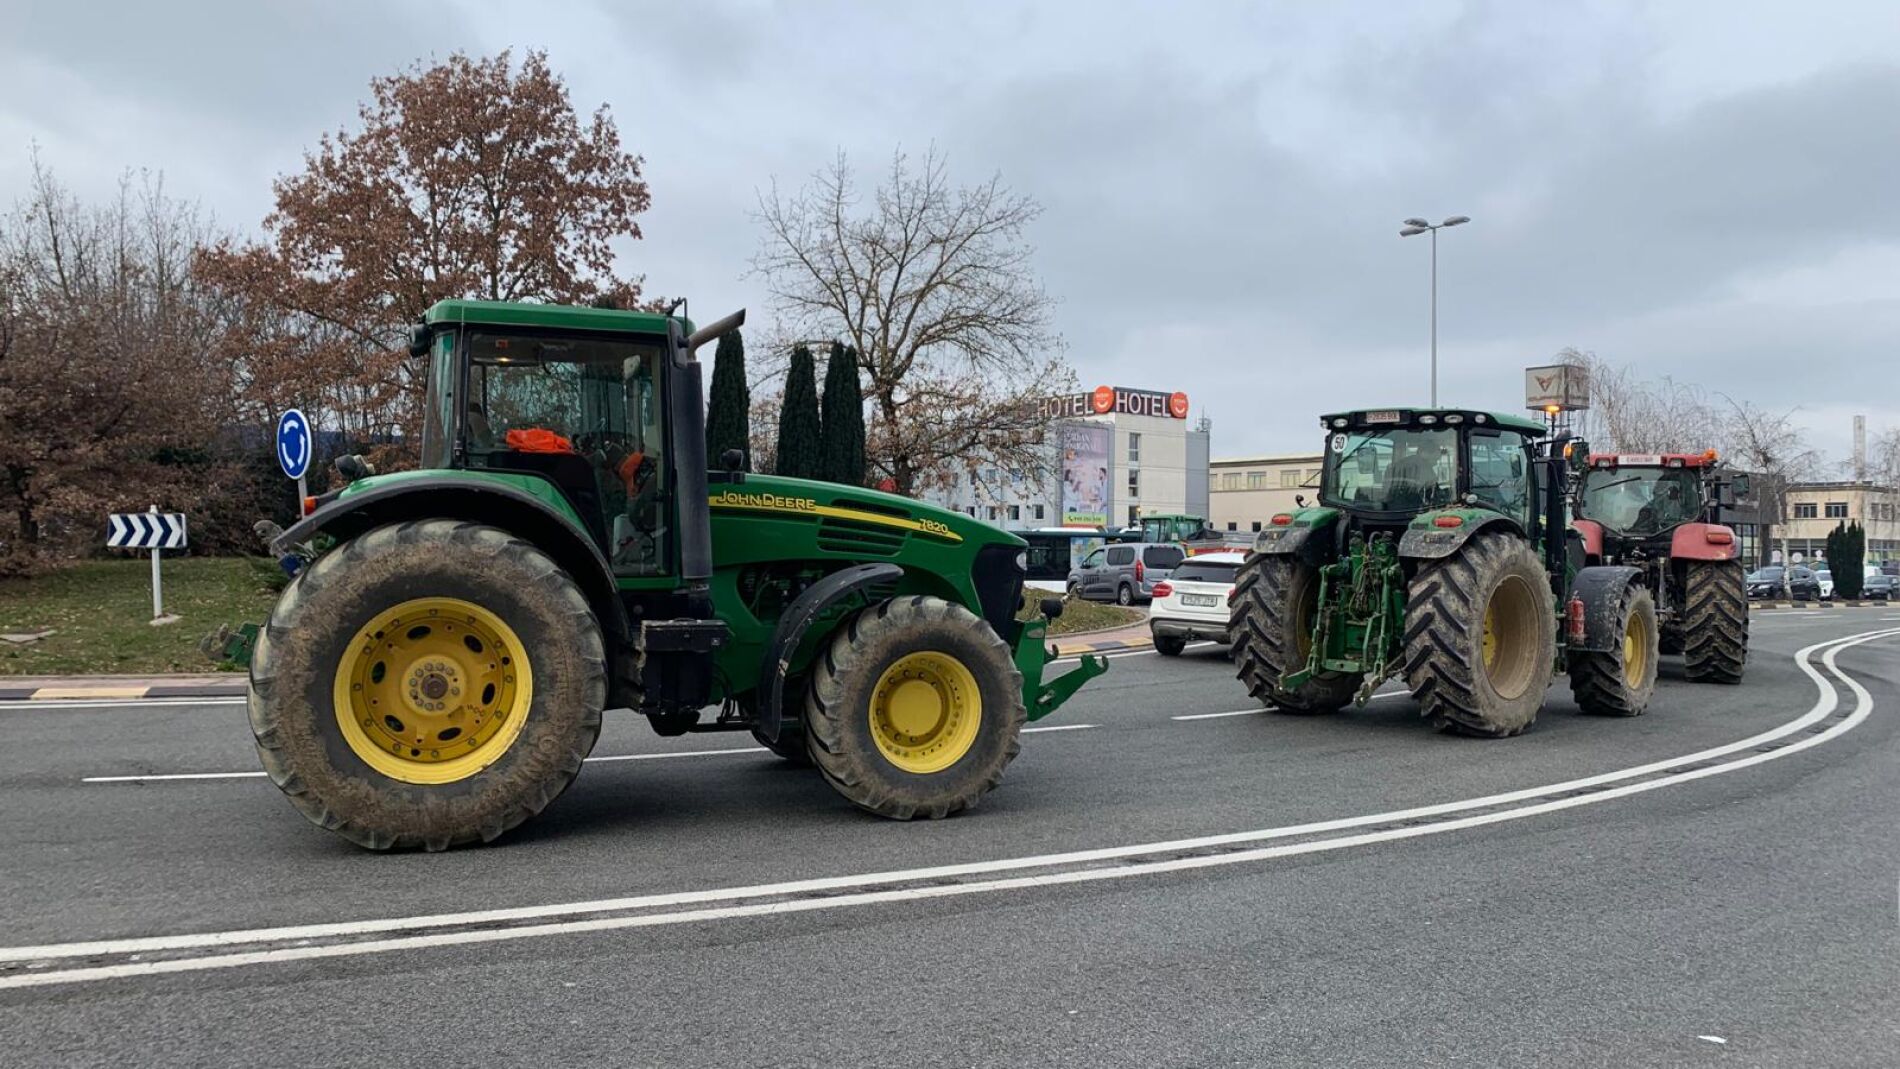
(1134, 482)
(1804, 510)
(1312, 476)
(1256, 525)
(1134, 447)
(1289, 478)
(1837, 510)
(1134, 515)
(1015, 512)
(1039, 512)
(992, 512)
(1232, 526)
(1256, 480)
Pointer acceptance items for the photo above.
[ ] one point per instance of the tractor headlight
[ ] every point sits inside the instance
(1022, 561)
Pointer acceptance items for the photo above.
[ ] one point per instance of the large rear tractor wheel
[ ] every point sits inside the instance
(915, 709)
(1481, 637)
(1275, 605)
(427, 684)
(1620, 681)
(1715, 622)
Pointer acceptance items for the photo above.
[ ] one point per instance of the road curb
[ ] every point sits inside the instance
(80, 689)
(1819, 605)
(1071, 649)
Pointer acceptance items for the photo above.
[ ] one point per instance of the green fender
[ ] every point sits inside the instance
(1428, 539)
(1309, 536)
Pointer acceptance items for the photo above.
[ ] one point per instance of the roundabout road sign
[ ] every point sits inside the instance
(293, 443)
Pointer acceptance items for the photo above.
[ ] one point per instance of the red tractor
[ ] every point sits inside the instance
(1661, 512)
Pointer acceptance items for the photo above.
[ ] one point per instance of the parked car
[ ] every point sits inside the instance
(1766, 583)
(1191, 604)
(1125, 572)
(1878, 587)
(1825, 577)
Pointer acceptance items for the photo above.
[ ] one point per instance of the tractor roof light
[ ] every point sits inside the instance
(1710, 455)
(1454, 418)
(1339, 422)
(1479, 418)
(1429, 420)
(1675, 462)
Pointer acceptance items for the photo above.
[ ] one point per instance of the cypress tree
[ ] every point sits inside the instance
(728, 423)
(798, 448)
(1847, 571)
(842, 418)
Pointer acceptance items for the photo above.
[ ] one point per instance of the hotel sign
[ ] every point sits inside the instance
(1118, 400)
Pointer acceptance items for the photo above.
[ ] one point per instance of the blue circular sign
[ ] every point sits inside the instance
(293, 443)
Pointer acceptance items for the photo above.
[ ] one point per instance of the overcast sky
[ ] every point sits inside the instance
(1710, 191)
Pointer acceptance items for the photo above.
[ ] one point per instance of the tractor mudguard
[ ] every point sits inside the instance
(1297, 539)
(1425, 540)
(1702, 541)
(1592, 533)
(1600, 588)
(794, 622)
(449, 495)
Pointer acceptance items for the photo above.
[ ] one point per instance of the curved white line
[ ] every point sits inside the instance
(1826, 701)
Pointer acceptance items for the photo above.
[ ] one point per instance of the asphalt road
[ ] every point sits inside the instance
(1344, 890)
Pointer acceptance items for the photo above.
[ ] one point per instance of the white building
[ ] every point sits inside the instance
(1116, 454)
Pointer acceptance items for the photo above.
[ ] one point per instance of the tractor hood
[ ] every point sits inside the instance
(772, 494)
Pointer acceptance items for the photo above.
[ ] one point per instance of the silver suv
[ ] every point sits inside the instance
(1124, 572)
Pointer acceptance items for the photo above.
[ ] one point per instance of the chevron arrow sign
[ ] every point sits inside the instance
(145, 530)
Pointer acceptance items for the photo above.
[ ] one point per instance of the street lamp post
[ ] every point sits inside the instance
(1420, 226)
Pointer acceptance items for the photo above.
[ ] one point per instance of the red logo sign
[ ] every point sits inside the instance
(1177, 405)
(1104, 399)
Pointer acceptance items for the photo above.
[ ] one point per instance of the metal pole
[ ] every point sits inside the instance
(1434, 317)
(158, 598)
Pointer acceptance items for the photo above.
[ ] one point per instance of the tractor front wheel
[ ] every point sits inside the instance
(1275, 607)
(1619, 681)
(1481, 637)
(1715, 622)
(427, 684)
(915, 709)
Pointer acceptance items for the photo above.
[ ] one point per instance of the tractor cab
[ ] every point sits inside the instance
(1384, 467)
(584, 410)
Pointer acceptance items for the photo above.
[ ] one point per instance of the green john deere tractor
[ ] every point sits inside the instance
(1439, 550)
(437, 672)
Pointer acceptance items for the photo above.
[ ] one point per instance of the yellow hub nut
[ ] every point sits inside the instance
(925, 712)
(433, 690)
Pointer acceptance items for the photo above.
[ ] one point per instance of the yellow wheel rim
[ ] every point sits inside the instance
(433, 690)
(1635, 650)
(925, 712)
(1509, 646)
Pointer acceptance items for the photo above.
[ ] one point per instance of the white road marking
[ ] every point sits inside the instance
(170, 776)
(1699, 765)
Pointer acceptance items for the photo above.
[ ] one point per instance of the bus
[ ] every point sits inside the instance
(1055, 551)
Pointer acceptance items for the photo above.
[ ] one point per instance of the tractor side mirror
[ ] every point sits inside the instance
(419, 340)
(733, 460)
(1577, 455)
(1740, 485)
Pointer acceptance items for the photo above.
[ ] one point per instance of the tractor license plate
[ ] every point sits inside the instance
(1207, 601)
(1382, 415)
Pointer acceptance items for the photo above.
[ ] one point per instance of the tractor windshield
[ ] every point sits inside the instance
(1396, 470)
(1641, 501)
(584, 413)
(1171, 528)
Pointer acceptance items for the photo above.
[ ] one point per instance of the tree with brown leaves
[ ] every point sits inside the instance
(932, 285)
(469, 178)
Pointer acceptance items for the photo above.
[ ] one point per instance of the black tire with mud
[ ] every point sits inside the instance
(838, 704)
(291, 703)
(1600, 680)
(790, 745)
(1444, 637)
(1274, 601)
(1170, 645)
(1715, 622)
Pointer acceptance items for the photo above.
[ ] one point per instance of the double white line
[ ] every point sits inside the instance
(123, 958)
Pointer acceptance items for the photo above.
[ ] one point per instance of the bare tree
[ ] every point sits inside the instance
(1629, 414)
(1770, 445)
(932, 285)
(1883, 458)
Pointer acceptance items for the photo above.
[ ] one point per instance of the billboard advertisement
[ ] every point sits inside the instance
(1085, 487)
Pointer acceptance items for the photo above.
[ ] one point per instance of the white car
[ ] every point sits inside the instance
(1826, 579)
(1191, 603)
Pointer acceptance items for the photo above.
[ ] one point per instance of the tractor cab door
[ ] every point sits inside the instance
(586, 413)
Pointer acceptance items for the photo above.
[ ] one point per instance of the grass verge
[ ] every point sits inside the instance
(100, 610)
(1078, 615)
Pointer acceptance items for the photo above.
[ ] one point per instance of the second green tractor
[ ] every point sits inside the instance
(1439, 552)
